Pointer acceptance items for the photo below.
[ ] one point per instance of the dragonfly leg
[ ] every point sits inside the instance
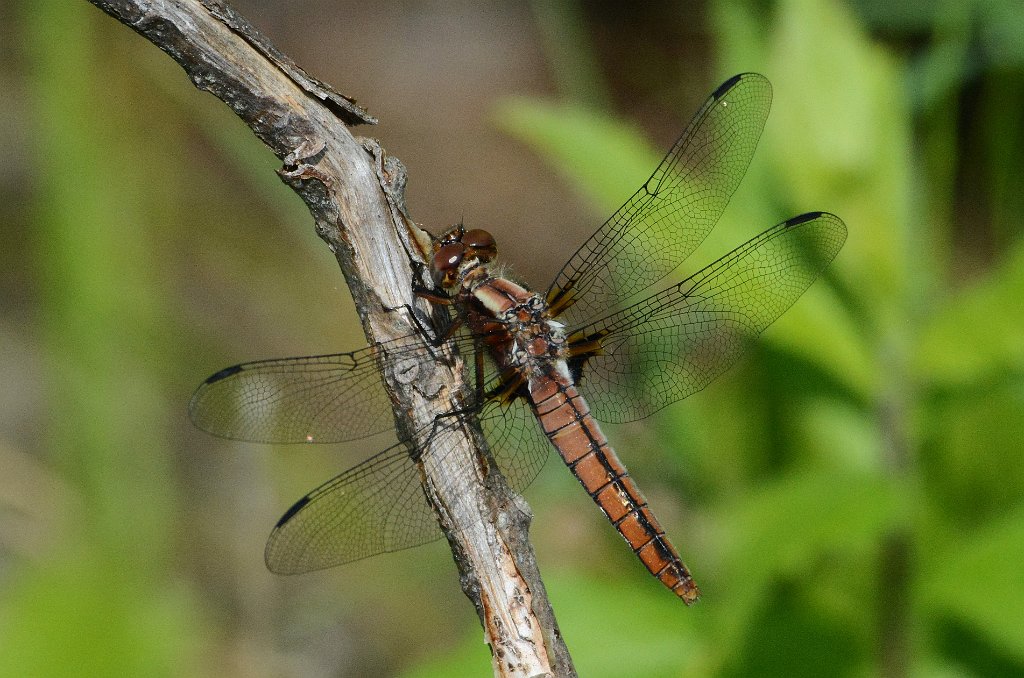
(428, 331)
(478, 362)
(433, 296)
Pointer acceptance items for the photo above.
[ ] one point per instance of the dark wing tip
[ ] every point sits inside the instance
(223, 374)
(831, 231)
(731, 82)
(811, 216)
(296, 507)
(804, 218)
(726, 86)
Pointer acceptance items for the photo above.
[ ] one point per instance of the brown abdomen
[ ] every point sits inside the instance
(566, 420)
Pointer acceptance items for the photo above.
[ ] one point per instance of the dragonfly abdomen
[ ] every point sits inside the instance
(566, 420)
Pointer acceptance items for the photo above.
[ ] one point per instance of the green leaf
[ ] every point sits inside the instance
(978, 333)
(971, 461)
(629, 626)
(796, 636)
(818, 330)
(837, 142)
(977, 580)
(604, 159)
(785, 529)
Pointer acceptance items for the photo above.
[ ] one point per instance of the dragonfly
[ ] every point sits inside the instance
(596, 346)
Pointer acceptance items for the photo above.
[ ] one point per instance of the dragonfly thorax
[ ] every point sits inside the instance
(514, 323)
(536, 339)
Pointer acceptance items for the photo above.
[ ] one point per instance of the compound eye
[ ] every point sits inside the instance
(479, 239)
(446, 260)
(481, 242)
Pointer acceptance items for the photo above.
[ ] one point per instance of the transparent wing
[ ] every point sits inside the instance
(320, 399)
(516, 440)
(673, 211)
(379, 506)
(374, 507)
(676, 342)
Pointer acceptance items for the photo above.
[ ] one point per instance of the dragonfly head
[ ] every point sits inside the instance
(458, 251)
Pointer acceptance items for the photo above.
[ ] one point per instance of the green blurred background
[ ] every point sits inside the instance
(851, 497)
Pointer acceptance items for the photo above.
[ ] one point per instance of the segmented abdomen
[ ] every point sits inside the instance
(566, 420)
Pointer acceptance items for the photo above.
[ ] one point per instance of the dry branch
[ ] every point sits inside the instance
(355, 194)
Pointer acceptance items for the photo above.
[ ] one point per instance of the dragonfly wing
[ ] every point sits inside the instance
(516, 441)
(315, 399)
(375, 507)
(326, 398)
(674, 343)
(673, 211)
(379, 506)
